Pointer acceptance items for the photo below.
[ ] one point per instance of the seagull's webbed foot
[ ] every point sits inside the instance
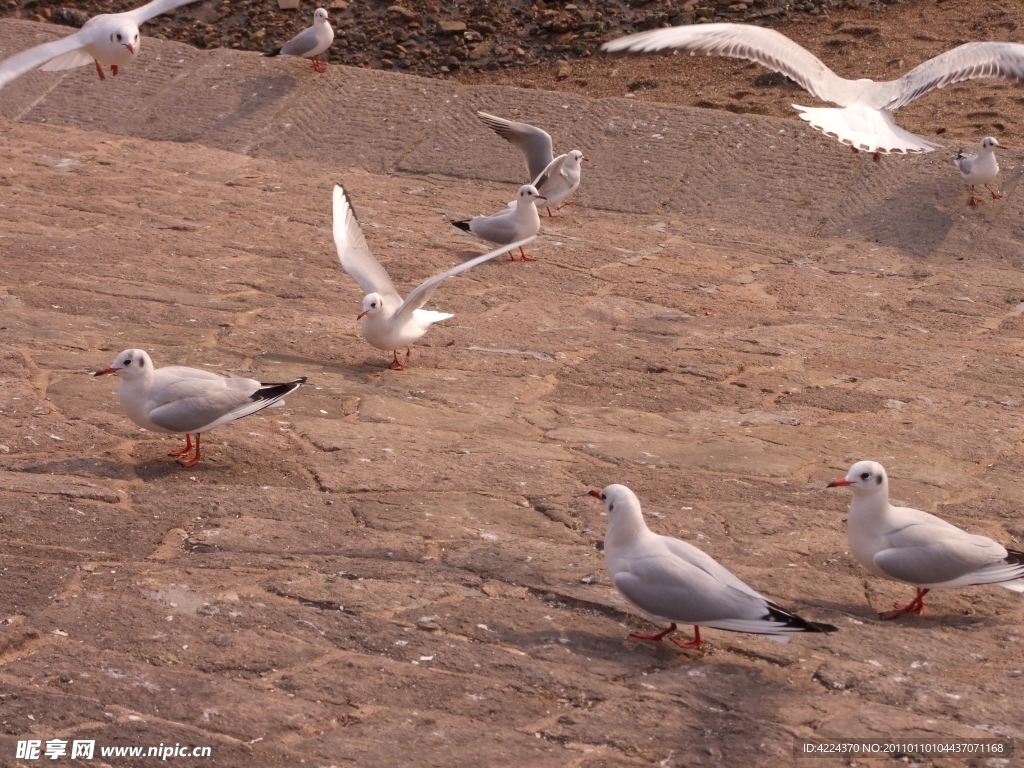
(878, 157)
(915, 606)
(189, 463)
(183, 451)
(571, 202)
(554, 215)
(974, 200)
(695, 643)
(524, 256)
(319, 66)
(658, 637)
(995, 195)
(99, 71)
(398, 365)
(113, 69)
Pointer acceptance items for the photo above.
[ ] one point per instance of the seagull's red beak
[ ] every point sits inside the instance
(585, 159)
(595, 494)
(130, 47)
(362, 314)
(105, 371)
(837, 483)
(541, 197)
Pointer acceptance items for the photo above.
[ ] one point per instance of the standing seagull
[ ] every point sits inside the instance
(110, 39)
(187, 401)
(981, 168)
(310, 42)
(865, 120)
(509, 224)
(388, 322)
(675, 582)
(556, 178)
(908, 545)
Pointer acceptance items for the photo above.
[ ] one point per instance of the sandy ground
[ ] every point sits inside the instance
(402, 568)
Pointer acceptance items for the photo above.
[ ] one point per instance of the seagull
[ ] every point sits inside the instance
(675, 582)
(310, 42)
(187, 400)
(556, 178)
(981, 168)
(865, 121)
(908, 545)
(110, 39)
(510, 224)
(389, 323)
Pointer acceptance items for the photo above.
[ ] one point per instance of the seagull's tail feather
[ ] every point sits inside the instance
(1008, 572)
(68, 60)
(276, 391)
(427, 317)
(463, 225)
(777, 625)
(275, 52)
(267, 396)
(865, 128)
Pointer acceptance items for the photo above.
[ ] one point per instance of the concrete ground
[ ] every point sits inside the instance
(403, 568)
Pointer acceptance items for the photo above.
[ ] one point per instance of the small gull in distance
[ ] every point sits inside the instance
(672, 581)
(310, 42)
(109, 39)
(510, 224)
(556, 178)
(389, 323)
(908, 545)
(187, 401)
(865, 121)
(981, 168)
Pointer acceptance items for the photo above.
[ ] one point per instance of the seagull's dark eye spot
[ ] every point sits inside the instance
(865, 475)
(118, 35)
(611, 507)
(878, 479)
(603, 497)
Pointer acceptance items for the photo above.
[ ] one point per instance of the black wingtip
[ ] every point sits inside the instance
(463, 225)
(275, 391)
(1013, 557)
(793, 621)
(348, 200)
(274, 52)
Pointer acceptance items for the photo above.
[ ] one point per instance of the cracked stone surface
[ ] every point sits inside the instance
(402, 568)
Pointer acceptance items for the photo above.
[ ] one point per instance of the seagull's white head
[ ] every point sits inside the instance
(989, 143)
(125, 37)
(865, 478)
(618, 501)
(373, 304)
(576, 157)
(529, 194)
(130, 364)
(320, 15)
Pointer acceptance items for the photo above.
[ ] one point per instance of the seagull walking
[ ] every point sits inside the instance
(310, 42)
(981, 168)
(511, 224)
(865, 120)
(556, 178)
(675, 582)
(110, 39)
(187, 401)
(908, 545)
(389, 323)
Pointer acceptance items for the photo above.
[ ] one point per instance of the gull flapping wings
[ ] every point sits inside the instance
(970, 61)
(554, 168)
(534, 143)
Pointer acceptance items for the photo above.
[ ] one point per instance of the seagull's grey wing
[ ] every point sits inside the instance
(500, 227)
(353, 252)
(966, 62)
(151, 10)
(422, 293)
(965, 163)
(741, 41)
(669, 588)
(705, 562)
(302, 44)
(532, 141)
(33, 58)
(923, 553)
(553, 169)
(194, 404)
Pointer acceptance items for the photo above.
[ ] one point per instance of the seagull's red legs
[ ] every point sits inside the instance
(995, 195)
(974, 198)
(396, 365)
(194, 460)
(183, 451)
(525, 257)
(99, 69)
(914, 606)
(319, 66)
(571, 202)
(113, 69)
(659, 637)
(695, 643)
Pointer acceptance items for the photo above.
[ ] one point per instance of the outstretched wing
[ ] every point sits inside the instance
(353, 252)
(152, 10)
(33, 58)
(741, 41)
(553, 169)
(422, 293)
(532, 141)
(966, 62)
